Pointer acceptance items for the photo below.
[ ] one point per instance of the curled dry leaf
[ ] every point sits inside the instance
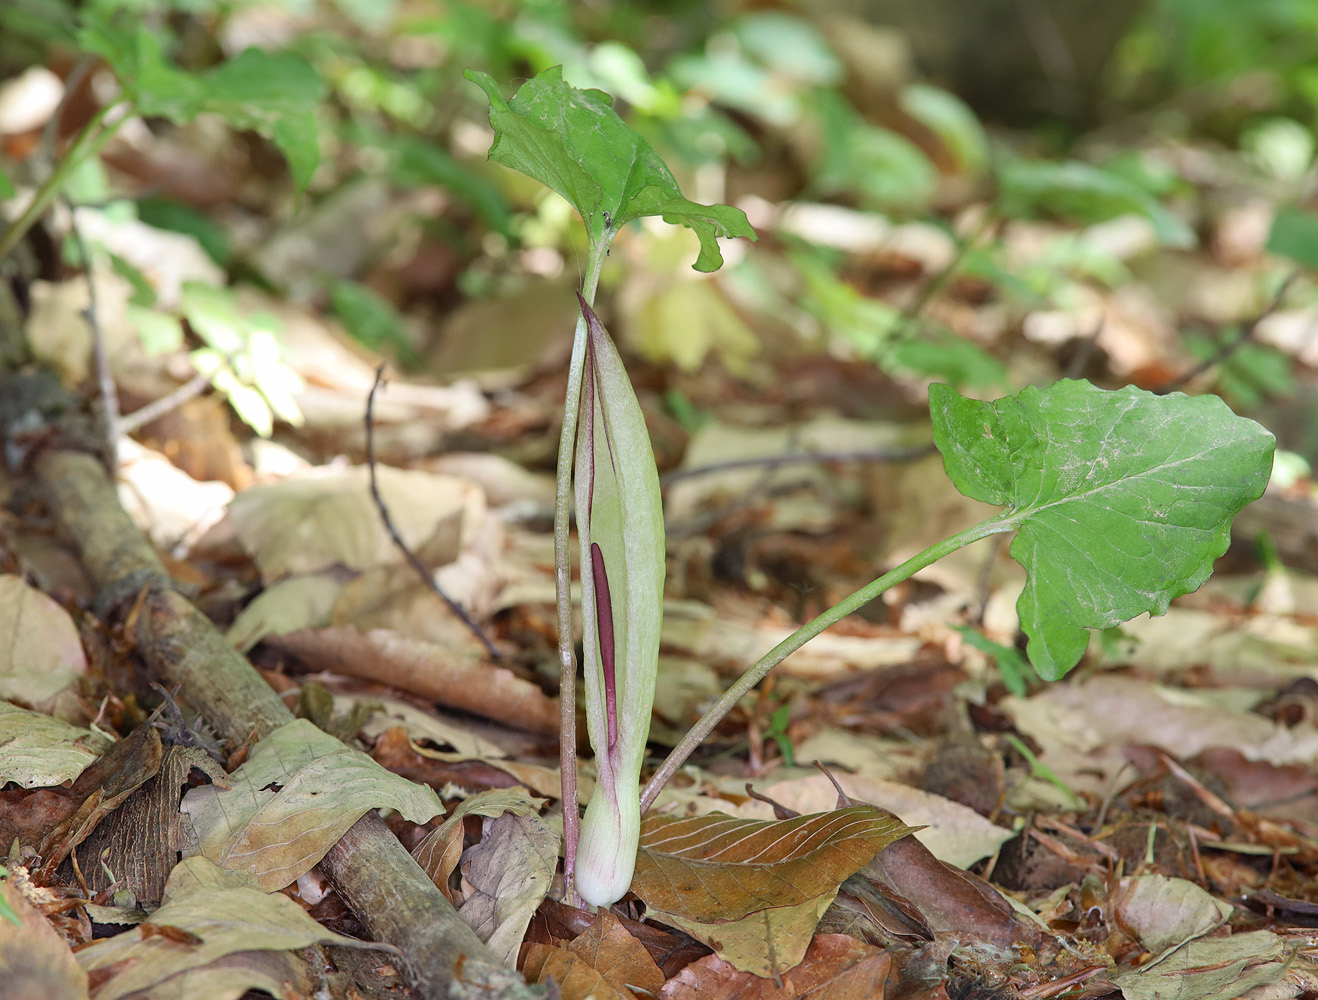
(509, 873)
(439, 852)
(429, 670)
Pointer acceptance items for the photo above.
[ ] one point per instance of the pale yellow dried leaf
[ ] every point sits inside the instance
(38, 750)
(323, 789)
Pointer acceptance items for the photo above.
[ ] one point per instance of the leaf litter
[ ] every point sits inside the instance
(1146, 827)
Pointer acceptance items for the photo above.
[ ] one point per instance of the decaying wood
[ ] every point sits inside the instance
(373, 872)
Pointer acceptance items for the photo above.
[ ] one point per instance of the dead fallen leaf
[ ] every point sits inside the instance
(1164, 913)
(718, 867)
(508, 874)
(953, 832)
(439, 851)
(835, 967)
(606, 961)
(950, 901)
(765, 942)
(304, 526)
(38, 750)
(1222, 968)
(426, 669)
(40, 651)
(297, 794)
(227, 917)
(35, 962)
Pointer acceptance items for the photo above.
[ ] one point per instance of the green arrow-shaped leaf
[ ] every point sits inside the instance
(1121, 500)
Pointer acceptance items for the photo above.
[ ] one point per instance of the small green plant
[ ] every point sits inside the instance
(1120, 501)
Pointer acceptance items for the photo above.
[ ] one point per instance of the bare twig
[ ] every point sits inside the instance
(109, 394)
(1224, 352)
(156, 409)
(388, 521)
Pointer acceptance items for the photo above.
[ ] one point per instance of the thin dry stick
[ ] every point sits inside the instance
(1224, 352)
(388, 521)
(156, 409)
(104, 377)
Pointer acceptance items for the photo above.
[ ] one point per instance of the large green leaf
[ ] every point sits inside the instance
(1121, 500)
(574, 142)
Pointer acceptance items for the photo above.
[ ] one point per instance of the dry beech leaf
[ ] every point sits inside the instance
(228, 918)
(836, 967)
(717, 867)
(439, 852)
(323, 789)
(576, 978)
(606, 960)
(509, 872)
(766, 942)
(1224, 968)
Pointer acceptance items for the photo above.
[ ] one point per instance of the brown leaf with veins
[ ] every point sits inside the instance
(836, 967)
(718, 867)
(605, 961)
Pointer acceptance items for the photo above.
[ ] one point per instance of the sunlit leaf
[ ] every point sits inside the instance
(1121, 500)
(575, 143)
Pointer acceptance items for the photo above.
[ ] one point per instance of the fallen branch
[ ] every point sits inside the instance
(391, 895)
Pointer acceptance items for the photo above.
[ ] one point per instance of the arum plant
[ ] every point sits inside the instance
(620, 524)
(573, 142)
(1119, 501)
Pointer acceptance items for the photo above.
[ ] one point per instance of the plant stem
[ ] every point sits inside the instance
(94, 135)
(567, 675)
(780, 652)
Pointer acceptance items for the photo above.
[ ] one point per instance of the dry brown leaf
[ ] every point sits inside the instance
(439, 851)
(1243, 965)
(303, 526)
(765, 942)
(606, 962)
(37, 750)
(575, 977)
(717, 867)
(426, 669)
(35, 962)
(40, 651)
(836, 967)
(950, 900)
(955, 833)
(508, 873)
(1166, 912)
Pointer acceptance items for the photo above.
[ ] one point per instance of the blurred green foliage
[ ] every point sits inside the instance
(346, 88)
